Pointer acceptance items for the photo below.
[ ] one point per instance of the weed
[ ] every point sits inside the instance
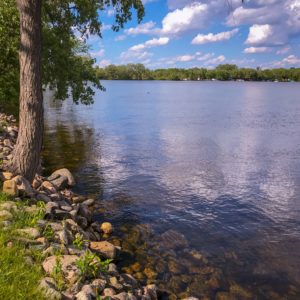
(90, 264)
(48, 232)
(57, 274)
(79, 241)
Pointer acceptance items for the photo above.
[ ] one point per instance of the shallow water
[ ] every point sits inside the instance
(216, 162)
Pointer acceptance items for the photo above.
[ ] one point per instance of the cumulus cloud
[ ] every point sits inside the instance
(145, 28)
(98, 53)
(121, 37)
(251, 50)
(213, 38)
(150, 43)
(272, 22)
(103, 63)
(283, 50)
(289, 61)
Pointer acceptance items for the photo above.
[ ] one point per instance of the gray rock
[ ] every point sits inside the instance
(89, 202)
(47, 285)
(24, 186)
(128, 281)
(82, 221)
(99, 285)
(108, 292)
(32, 233)
(60, 214)
(112, 270)
(43, 197)
(60, 182)
(83, 296)
(63, 172)
(151, 291)
(9, 206)
(121, 296)
(88, 289)
(114, 283)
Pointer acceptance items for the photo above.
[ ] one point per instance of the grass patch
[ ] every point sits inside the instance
(18, 279)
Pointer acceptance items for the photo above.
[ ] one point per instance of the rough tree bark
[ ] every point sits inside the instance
(27, 152)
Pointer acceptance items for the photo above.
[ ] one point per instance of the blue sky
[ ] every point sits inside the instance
(185, 33)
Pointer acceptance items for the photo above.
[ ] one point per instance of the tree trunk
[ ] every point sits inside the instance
(27, 152)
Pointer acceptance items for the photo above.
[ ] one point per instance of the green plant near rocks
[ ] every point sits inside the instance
(79, 241)
(57, 274)
(18, 279)
(90, 265)
(48, 232)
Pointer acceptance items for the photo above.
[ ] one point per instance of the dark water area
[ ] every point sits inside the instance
(200, 179)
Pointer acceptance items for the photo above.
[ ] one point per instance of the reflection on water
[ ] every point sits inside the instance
(214, 166)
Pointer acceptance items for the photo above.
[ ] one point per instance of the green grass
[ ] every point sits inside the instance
(18, 280)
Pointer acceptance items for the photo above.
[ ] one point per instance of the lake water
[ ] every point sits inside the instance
(200, 179)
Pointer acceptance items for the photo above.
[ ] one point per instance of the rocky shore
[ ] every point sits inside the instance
(77, 260)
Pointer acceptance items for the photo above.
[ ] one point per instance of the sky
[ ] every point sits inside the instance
(204, 33)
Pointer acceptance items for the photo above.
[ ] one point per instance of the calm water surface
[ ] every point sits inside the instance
(200, 179)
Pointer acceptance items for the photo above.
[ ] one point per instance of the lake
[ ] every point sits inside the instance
(201, 181)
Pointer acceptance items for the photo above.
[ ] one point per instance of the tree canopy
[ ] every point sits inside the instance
(66, 25)
(221, 72)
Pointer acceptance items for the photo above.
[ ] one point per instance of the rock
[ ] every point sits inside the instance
(151, 291)
(24, 186)
(66, 208)
(112, 270)
(60, 214)
(9, 206)
(173, 239)
(89, 202)
(84, 212)
(82, 221)
(32, 233)
(60, 183)
(7, 143)
(121, 296)
(36, 184)
(10, 187)
(150, 273)
(47, 285)
(67, 263)
(78, 199)
(63, 172)
(108, 292)
(63, 237)
(5, 215)
(113, 282)
(6, 176)
(48, 186)
(43, 197)
(128, 281)
(99, 285)
(83, 296)
(104, 248)
(106, 227)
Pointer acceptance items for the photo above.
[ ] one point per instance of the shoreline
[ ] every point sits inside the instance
(77, 260)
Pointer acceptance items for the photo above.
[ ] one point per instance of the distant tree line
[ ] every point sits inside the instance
(222, 72)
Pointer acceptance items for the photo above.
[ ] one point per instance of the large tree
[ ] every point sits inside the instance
(57, 23)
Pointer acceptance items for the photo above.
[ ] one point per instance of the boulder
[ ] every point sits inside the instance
(48, 186)
(67, 263)
(104, 248)
(24, 186)
(6, 176)
(60, 182)
(10, 187)
(47, 285)
(32, 233)
(65, 173)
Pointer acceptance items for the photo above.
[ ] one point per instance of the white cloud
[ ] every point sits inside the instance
(121, 37)
(103, 63)
(150, 43)
(215, 61)
(181, 20)
(288, 61)
(251, 50)
(145, 28)
(259, 34)
(212, 38)
(283, 50)
(98, 53)
(134, 56)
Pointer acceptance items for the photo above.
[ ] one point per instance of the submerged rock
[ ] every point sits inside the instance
(106, 227)
(173, 239)
(104, 248)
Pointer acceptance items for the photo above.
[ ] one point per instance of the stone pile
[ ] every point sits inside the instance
(71, 243)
